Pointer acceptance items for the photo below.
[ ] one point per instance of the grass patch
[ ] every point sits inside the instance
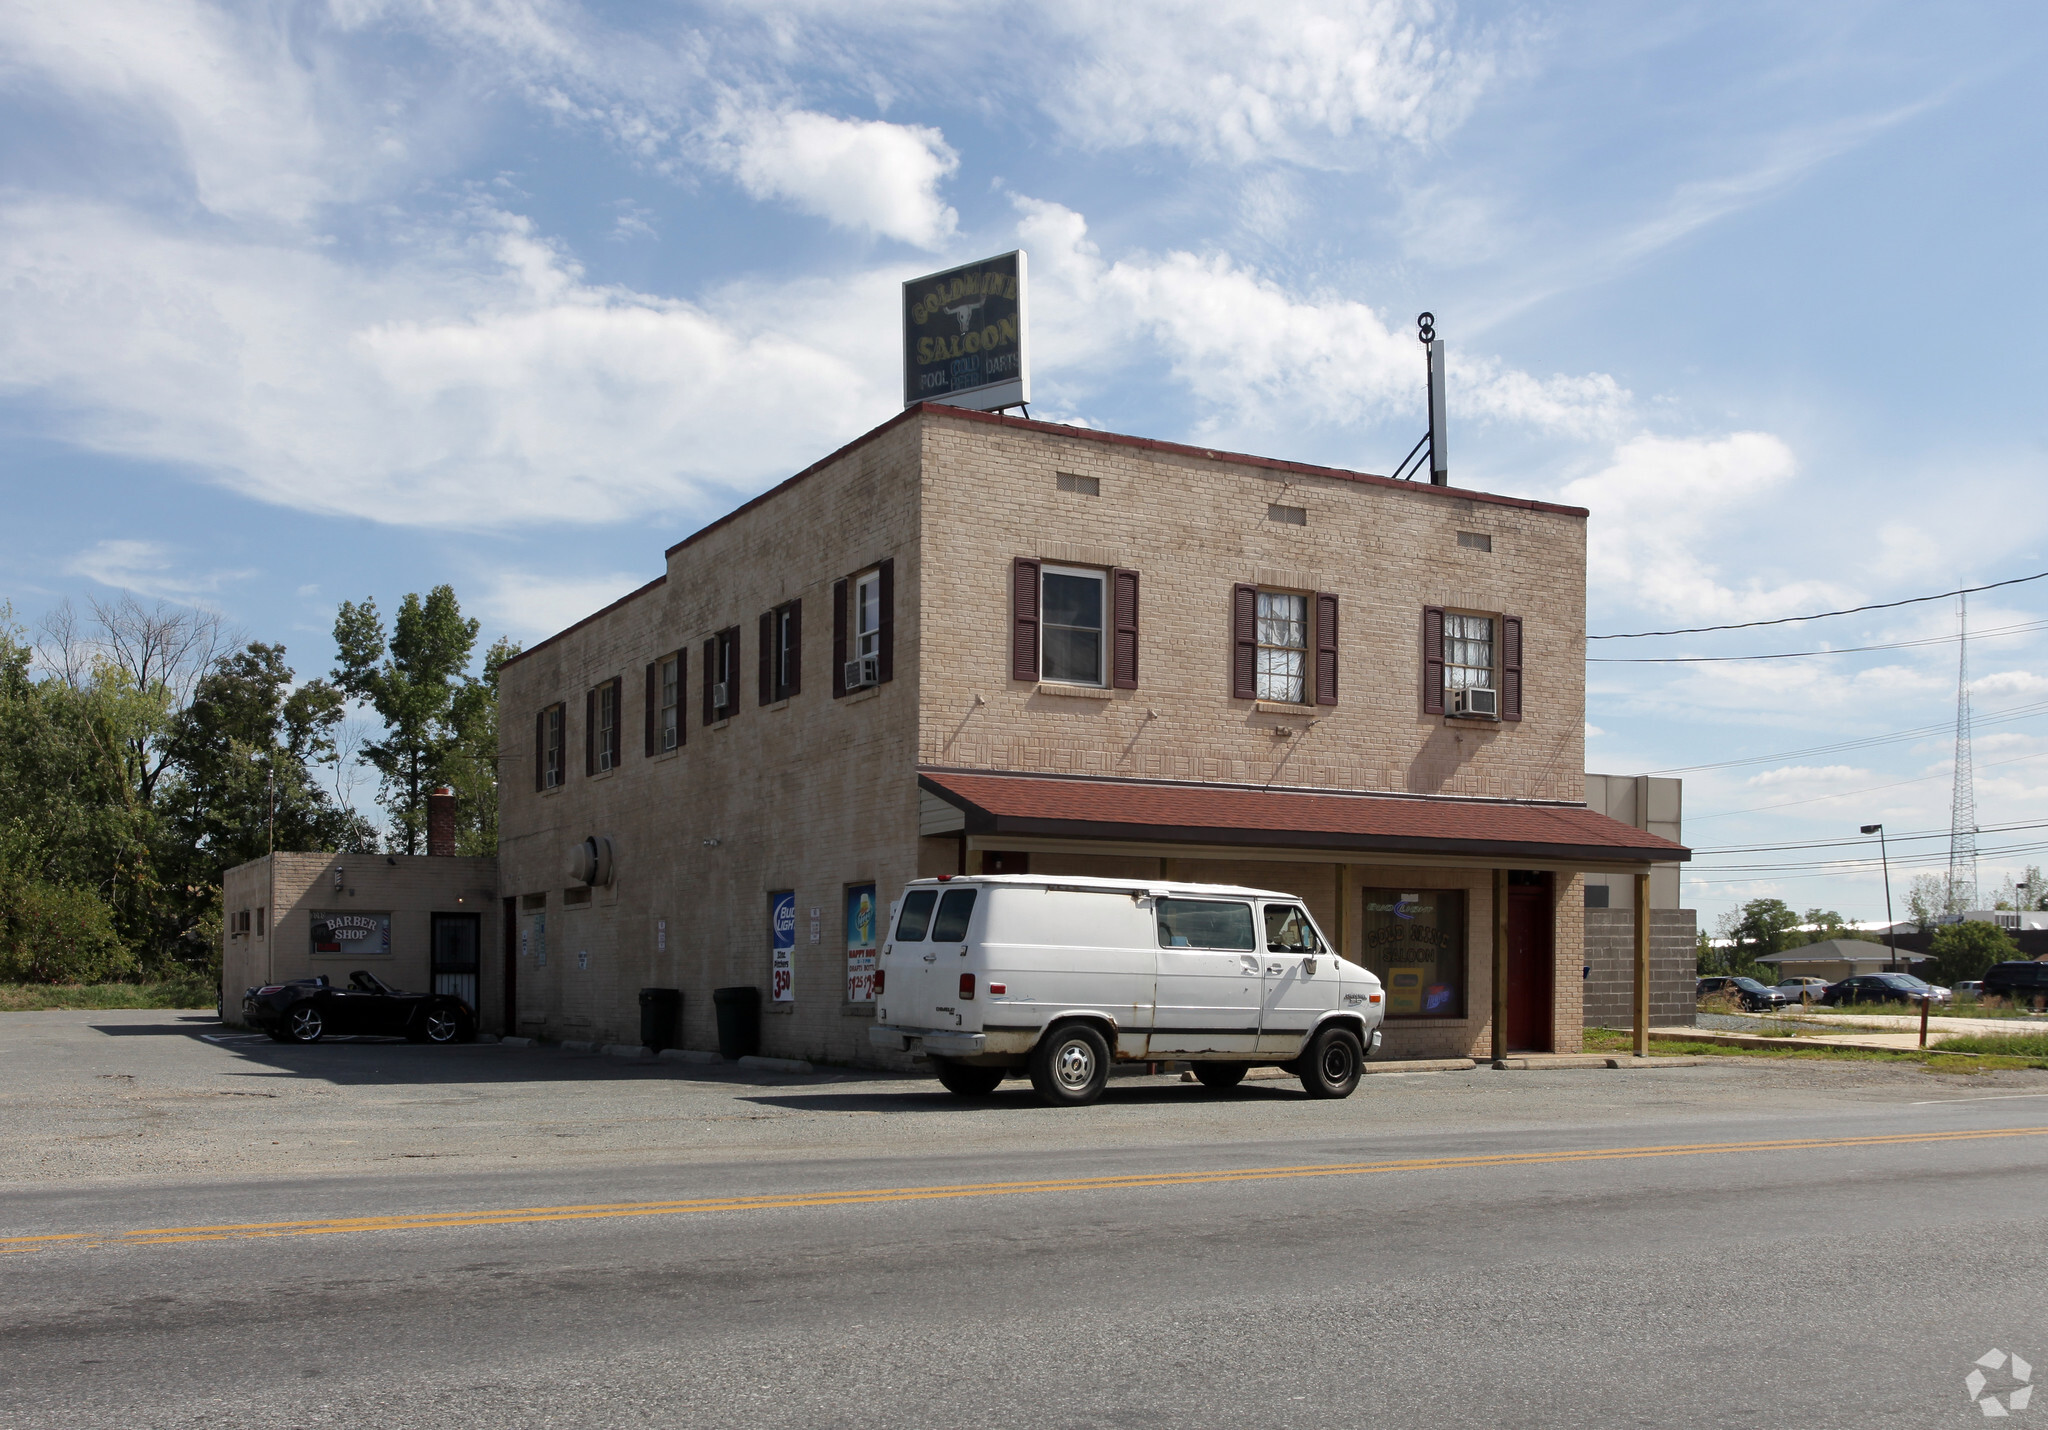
(2011, 1045)
(169, 993)
(1999, 1054)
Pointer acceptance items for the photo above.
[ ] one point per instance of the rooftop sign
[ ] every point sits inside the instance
(964, 336)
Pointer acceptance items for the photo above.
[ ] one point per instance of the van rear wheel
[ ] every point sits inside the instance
(1332, 1064)
(968, 1081)
(1220, 1077)
(1070, 1066)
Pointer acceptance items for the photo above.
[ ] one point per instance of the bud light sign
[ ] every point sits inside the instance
(782, 947)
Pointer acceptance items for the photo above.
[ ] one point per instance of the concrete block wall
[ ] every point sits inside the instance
(1609, 970)
(1192, 527)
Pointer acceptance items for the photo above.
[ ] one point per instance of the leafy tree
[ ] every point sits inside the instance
(1965, 950)
(1931, 896)
(471, 765)
(53, 933)
(1763, 927)
(2034, 896)
(415, 680)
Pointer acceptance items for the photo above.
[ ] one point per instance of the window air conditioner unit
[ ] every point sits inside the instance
(1475, 701)
(863, 671)
(718, 695)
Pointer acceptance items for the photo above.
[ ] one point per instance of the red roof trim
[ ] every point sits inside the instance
(1081, 807)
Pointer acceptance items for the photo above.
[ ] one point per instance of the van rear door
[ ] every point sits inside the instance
(926, 958)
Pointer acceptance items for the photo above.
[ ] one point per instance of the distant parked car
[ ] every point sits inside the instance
(2021, 980)
(308, 1009)
(1755, 997)
(1882, 988)
(1803, 990)
(1970, 988)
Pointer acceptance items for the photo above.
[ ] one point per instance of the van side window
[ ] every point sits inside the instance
(954, 911)
(1205, 923)
(916, 916)
(1289, 931)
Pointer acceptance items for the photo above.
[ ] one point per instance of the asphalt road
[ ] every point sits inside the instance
(1717, 1246)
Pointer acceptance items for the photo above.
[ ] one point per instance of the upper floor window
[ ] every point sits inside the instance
(1070, 625)
(867, 615)
(1283, 647)
(1471, 664)
(721, 665)
(781, 655)
(863, 629)
(548, 748)
(1468, 652)
(605, 728)
(669, 715)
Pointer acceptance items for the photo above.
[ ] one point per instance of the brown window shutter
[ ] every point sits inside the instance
(1432, 660)
(1326, 648)
(618, 735)
(710, 677)
(796, 647)
(766, 672)
(653, 704)
(885, 648)
(1024, 619)
(838, 639)
(540, 751)
(590, 732)
(1510, 667)
(1244, 635)
(1123, 601)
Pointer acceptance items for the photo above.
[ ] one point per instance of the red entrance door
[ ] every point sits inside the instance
(1532, 963)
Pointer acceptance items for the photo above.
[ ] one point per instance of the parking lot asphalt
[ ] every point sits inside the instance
(196, 1231)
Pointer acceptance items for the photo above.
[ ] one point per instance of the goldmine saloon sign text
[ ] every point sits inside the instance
(964, 336)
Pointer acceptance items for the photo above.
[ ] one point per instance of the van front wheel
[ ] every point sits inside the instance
(1070, 1066)
(968, 1081)
(1332, 1064)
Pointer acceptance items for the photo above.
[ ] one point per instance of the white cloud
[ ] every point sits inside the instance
(1806, 777)
(150, 568)
(1663, 502)
(865, 175)
(1240, 80)
(531, 606)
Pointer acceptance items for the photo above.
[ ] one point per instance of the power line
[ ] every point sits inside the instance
(1819, 615)
(1910, 836)
(1844, 794)
(2014, 712)
(1801, 654)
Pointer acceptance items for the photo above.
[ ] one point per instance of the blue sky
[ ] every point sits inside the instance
(302, 303)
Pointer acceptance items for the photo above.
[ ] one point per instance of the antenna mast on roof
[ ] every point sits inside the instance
(1962, 808)
(1433, 440)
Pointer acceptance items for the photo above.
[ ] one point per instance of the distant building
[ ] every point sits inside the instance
(1656, 806)
(1837, 958)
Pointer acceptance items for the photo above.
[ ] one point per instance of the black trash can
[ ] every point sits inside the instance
(739, 1021)
(661, 1017)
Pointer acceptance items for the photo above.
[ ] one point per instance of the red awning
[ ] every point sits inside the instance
(1055, 806)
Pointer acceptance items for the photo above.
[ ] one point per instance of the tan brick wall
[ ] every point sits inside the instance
(412, 888)
(1192, 529)
(821, 794)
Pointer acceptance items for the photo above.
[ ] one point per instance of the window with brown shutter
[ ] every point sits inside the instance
(550, 747)
(885, 654)
(1510, 667)
(790, 650)
(1123, 600)
(838, 639)
(764, 676)
(1244, 635)
(1326, 648)
(590, 732)
(615, 721)
(1432, 660)
(1024, 619)
(710, 677)
(540, 751)
(675, 682)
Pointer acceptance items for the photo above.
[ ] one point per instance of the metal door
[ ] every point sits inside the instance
(456, 945)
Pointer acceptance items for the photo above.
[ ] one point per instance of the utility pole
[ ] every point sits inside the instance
(1891, 933)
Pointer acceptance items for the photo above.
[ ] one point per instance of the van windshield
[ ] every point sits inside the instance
(1206, 923)
(954, 912)
(916, 916)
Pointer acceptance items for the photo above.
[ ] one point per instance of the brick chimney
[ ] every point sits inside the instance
(441, 822)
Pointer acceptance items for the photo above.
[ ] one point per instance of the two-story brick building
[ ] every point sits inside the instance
(974, 642)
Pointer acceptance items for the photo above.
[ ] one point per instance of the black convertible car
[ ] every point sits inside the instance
(309, 1009)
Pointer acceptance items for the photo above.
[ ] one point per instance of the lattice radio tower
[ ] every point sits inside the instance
(1962, 808)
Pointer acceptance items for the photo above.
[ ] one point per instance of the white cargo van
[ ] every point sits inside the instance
(1061, 976)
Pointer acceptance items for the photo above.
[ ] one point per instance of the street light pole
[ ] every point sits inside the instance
(1891, 933)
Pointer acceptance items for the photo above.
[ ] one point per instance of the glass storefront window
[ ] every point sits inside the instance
(1415, 943)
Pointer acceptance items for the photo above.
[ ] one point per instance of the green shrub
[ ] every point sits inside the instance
(1965, 950)
(2003, 1045)
(53, 934)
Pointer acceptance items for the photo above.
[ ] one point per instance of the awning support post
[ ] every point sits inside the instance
(1500, 964)
(1642, 988)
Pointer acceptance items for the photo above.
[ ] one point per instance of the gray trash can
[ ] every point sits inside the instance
(739, 1021)
(661, 1017)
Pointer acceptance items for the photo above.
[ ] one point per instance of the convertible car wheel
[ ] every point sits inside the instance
(303, 1024)
(443, 1025)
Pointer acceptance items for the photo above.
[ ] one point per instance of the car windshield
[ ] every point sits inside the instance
(1905, 980)
(1750, 985)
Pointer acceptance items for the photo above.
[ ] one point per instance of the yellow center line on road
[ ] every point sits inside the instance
(778, 1201)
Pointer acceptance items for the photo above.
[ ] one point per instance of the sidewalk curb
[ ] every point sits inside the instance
(1419, 1065)
(788, 1065)
(687, 1055)
(578, 1045)
(626, 1050)
(1751, 1040)
(513, 1042)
